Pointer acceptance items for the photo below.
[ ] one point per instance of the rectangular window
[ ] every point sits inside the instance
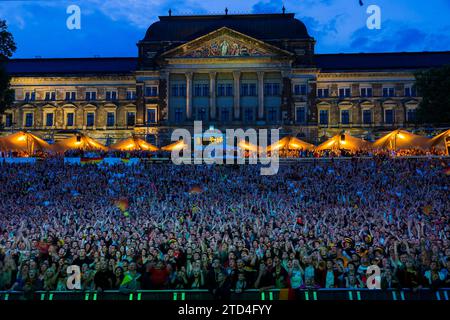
(91, 95)
(344, 92)
(110, 119)
(229, 90)
(30, 96)
(178, 115)
(367, 117)
(49, 119)
(70, 95)
(90, 119)
(244, 89)
(221, 90)
(389, 116)
(131, 94)
(225, 115)
(388, 92)
(248, 115)
(28, 119)
(252, 89)
(272, 115)
(410, 91)
(345, 117)
(131, 118)
(407, 91)
(111, 95)
(201, 90)
(323, 117)
(300, 113)
(300, 90)
(267, 89)
(271, 89)
(182, 90)
(70, 119)
(174, 90)
(151, 116)
(323, 92)
(151, 91)
(276, 89)
(8, 120)
(197, 90)
(366, 92)
(50, 96)
(205, 90)
(411, 115)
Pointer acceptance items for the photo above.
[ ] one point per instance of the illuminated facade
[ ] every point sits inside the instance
(257, 70)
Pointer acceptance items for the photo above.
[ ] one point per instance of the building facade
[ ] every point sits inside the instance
(230, 71)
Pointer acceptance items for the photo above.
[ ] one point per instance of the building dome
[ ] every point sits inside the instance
(259, 26)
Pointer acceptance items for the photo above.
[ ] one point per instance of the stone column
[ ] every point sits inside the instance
(286, 98)
(164, 94)
(237, 93)
(188, 95)
(260, 95)
(212, 94)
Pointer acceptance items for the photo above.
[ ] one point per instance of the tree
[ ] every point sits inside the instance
(7, 44)
(7, 48)
(434, 87)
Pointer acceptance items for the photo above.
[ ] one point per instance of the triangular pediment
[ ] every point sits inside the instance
(225, 42)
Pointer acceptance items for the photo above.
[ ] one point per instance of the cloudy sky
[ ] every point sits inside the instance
(113, 27)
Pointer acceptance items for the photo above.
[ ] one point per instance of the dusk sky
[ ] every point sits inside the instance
(113, 27)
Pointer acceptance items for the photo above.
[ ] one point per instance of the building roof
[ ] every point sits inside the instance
(381, 61)
(71, 66)
(326, 62)
(259, 26)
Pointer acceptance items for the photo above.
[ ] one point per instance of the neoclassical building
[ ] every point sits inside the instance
(249, 70)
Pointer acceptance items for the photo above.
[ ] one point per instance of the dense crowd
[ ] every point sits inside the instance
(282, 153)
(319, 224)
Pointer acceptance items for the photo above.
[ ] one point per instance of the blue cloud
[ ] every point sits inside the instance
(397, 37)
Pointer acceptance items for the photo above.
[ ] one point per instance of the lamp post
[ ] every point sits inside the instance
(28, 145)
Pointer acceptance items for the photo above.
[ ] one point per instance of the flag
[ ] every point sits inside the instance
(123, 205)
(125, 160)
(126, 279)
(427, 209)
(348, 242)
(368, 239)
(97, 160)
(447, 171)
(195, 209)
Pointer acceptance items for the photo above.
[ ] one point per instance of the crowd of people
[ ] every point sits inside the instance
(319, 224)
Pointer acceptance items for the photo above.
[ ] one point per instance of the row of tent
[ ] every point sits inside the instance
(29, 143)
(395, 140)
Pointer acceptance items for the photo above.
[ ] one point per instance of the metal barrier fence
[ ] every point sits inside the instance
(252, 295)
